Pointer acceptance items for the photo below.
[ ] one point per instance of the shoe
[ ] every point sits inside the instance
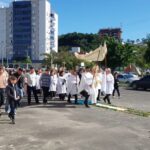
(76, 103)
(69, 102)
(109, 103)
(87, 106)
(104, 100)
(10, 116)
(13, 121)
(38, 103)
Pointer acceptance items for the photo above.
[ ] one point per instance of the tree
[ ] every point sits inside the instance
(147, 53)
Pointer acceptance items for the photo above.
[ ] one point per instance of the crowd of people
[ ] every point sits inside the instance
(87, 84)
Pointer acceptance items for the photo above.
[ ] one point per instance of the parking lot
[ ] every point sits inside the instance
(62, 126)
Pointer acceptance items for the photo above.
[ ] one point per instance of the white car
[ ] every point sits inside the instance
(127, 78)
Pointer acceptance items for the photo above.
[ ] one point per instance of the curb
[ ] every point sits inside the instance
(111, 107)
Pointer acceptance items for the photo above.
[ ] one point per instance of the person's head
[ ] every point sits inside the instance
(95, 69)
(108, 71)
(1, 69)
(61, 73)
(73, 72)
(13, 79)
(53, 72)
(115, 74)
(39, 71)
(20, 71)
(87, 69)
(47, 71)
(32, 70)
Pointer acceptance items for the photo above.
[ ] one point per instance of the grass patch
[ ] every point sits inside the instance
(138, 112)
(130, 111)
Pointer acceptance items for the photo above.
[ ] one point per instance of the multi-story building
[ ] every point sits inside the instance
(111, 32)
(54, 32)
(29, 29)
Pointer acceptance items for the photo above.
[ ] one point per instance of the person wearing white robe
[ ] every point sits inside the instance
(109, 85)
(53, 85)
(99, 86)
(38, 85)
(85, 87)
(72, 86)
(61, 85)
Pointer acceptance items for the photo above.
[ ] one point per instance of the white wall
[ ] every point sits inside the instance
(44, 27)
(54, 27)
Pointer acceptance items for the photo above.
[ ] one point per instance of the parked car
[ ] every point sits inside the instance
(143, 83)
(127, 78)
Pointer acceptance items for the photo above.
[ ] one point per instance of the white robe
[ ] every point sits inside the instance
(61, 85)
(53, 84)
(95, 87)
(72, 84)
(109, 84)
(86, 82)
(38, 85)
(103, 88)
(99, 78)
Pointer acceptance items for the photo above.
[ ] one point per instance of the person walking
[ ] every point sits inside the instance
(45, 82)
(116, 85)
(61, 85)
(3, 84)
(85, 87)
(31, 85)
(53, 84)
(13, 95)
(20, 83)
(72, 86)
(109, 85)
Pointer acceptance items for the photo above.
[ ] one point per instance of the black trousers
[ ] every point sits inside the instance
(107, 97)
(45, 94)
(99, 95)
(118, 91)
(52, 94)
(2, 96)
(62, 96)
(12, 104)
(76, 98)
(29, 91)
(86, 95)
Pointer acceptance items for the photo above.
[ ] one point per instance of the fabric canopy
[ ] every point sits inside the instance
(98, 54)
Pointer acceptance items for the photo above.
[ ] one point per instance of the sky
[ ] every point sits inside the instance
(88, 16)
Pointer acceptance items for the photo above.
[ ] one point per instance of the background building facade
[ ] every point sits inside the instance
(111, 32)
(54, 32)
(29, 24)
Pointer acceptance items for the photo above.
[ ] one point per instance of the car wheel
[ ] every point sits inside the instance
(134, 86)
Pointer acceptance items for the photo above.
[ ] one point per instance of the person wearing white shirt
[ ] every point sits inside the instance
(72, 86)
(100, 77)
(61, 85)
(109, 85)
(85, 87)
(53, 84)
(31, 86)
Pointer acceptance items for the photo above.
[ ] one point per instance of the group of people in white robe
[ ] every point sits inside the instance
(87, 85)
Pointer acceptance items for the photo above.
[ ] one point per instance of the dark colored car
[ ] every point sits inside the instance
(143, 83)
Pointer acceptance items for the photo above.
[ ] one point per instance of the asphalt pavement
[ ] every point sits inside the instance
(62, 126)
